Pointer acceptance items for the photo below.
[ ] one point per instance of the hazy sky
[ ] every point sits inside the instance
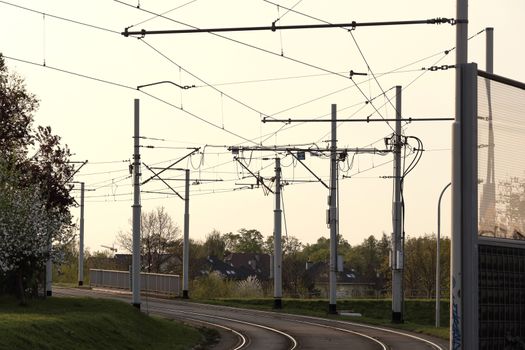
(96, 119)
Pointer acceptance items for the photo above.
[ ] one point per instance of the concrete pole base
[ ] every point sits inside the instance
(137, 305)
(80, 283)
(332, 309)
(277, 303)
(185, 294)
(397, 317)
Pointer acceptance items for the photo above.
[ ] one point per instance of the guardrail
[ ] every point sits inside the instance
(149, 282)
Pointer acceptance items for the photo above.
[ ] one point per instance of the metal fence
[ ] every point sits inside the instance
(502, 295)
(501, 201)
(501, 161)
(149, 282)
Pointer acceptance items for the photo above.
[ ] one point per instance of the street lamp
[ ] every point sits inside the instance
(438, 291)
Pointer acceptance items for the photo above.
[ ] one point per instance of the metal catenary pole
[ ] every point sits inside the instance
(397, 241)
(469, 194)
(332, 214)
(186, 243)
(277, 245)
(464, 279)
(456, 309)
(136, 209)
(490, 50)
(81, 239)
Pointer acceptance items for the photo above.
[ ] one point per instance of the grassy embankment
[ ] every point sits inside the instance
(84, 323)
(419, 314)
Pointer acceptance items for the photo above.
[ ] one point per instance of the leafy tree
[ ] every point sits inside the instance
(420, 265)
(246, 241)
(320, 251)
(17, 106)
(215, 244)
(160, 235)
(370, 259)
(34, 195)
(290, 245)
(294, 262)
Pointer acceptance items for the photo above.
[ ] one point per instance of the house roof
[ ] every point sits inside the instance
(257, 264)
(319, 272)
(209, 264)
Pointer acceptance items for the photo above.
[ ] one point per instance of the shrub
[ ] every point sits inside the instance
(249, 288)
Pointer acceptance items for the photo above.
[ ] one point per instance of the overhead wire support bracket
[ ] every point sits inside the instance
(171, 165)
(258, 177)
(195, 181)
(366, 120)
(161, 179)
(352, 25)
(307, 168)
(77, 170)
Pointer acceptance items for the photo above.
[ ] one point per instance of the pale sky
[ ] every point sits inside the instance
(96, 119)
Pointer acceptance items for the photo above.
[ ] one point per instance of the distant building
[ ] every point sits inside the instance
(238, 266)
(250, 264)
(348, 283)
(212, 264)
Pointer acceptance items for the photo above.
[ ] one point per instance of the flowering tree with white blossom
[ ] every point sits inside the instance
(34, 194)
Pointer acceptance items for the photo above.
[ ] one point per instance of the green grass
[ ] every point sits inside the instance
(85, 323)
(419, 314)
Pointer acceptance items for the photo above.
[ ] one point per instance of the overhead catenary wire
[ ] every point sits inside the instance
(357, 45)
(161, 14)
(442, 53)
(361, 52)
(287, 11)
(101, 28)
(133, 88)
(61, 18)
(246, 44)
(280, 55)
(200, 79)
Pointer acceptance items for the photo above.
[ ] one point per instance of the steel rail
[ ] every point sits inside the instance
(243, 339)
(288, 318)
(383, 345)
(382, 329)
(292, 339)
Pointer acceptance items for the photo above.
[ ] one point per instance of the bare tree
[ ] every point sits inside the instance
(160, 235)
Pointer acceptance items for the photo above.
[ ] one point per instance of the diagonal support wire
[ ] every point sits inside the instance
(76, 171)
(171, 165)
(161, 179)
(307, 168)
(258, 177)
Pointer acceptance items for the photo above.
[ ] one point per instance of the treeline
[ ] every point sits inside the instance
(368, 260)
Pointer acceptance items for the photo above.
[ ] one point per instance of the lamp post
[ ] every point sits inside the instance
(438, 290)
(186, 199)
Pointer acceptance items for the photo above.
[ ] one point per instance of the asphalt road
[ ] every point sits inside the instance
(260, 330)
